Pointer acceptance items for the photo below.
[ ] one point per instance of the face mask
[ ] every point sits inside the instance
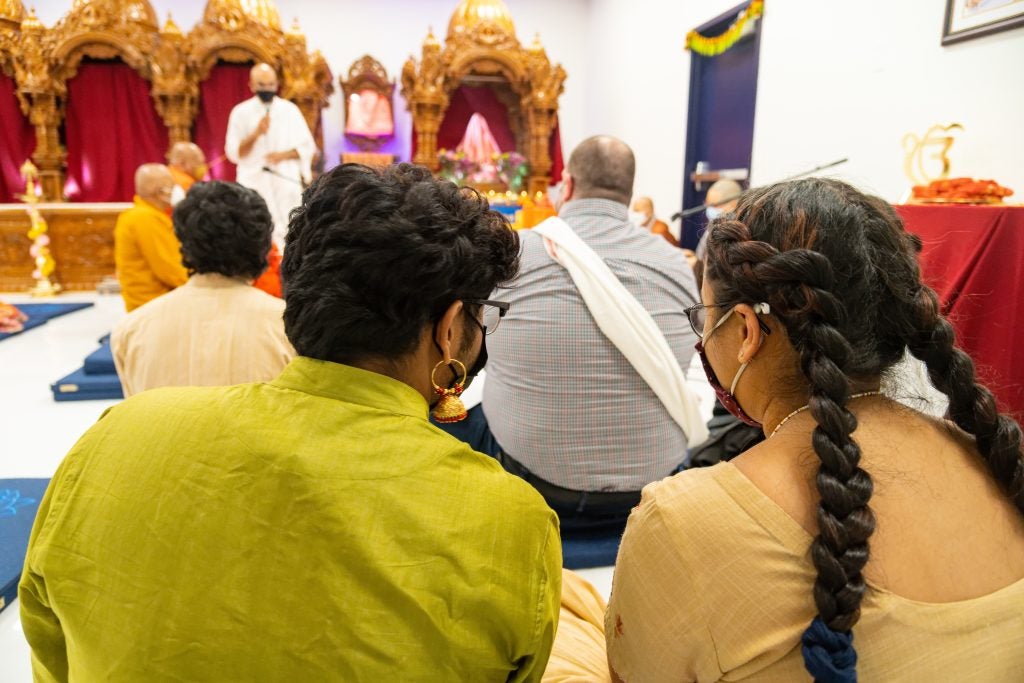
(481, 360)
(728, 397)
(713, 212)
(200, 171)
(639, 219)
(266, 96)
(478, 365)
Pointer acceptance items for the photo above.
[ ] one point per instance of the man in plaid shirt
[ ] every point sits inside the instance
(567, 410)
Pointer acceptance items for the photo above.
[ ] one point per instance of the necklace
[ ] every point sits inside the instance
(800, 410)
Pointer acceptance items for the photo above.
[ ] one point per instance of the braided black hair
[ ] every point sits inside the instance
(841, 274)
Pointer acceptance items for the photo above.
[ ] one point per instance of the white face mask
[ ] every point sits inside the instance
(713, 212)
(639, 219)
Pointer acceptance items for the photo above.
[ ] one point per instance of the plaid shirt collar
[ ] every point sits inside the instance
(590, 209)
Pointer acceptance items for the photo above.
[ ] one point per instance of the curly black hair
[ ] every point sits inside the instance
(223, 228)
(374, 256)
(841, 274)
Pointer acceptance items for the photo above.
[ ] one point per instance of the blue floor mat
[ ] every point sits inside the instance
(79, 386)
(38, 314)
(100, 362)
(19, 502)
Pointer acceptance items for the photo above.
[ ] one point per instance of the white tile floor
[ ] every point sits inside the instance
(37, 432)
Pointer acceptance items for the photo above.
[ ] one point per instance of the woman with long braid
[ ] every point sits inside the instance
(862, 538)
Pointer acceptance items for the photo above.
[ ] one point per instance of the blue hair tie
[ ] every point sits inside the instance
(829, 655)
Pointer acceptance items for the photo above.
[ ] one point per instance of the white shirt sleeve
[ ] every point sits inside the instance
(235, 134)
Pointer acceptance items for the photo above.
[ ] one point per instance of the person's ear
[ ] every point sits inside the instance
(568, 186)
(753, 336)
(445, 332)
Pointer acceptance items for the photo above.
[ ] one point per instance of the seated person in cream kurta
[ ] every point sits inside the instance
(269, 132)
(217, 328)
(857, 515)
(316, 527)
(146, 252)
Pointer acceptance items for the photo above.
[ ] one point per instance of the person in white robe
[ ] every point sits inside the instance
(269, 141)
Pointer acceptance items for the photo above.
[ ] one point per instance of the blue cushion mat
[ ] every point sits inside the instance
(19, 501)
(39, 314)
(100, 362)
(79, 386)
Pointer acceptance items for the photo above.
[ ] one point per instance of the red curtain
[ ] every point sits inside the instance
(555, 151)
(17, 141)
(111, 128)
(468, 100)
(226, 86)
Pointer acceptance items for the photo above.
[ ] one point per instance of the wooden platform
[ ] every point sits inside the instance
(81, 241)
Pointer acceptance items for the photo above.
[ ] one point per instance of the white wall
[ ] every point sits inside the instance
(391, 31)
(835, 80)
(639, 82)
(851, 79)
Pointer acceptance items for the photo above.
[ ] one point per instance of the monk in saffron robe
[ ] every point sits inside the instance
(146, 252)
(187, 165)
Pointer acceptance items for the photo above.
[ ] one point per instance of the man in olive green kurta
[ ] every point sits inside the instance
(313, 528)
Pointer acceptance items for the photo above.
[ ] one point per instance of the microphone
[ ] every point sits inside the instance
(267, 169)
(685, 213)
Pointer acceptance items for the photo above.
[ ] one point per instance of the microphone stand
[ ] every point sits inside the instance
(282, 176)
(686, 213)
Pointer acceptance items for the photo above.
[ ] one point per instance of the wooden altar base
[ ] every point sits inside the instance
(81, 241)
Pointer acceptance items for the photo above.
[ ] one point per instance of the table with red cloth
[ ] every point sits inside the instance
(973, 256)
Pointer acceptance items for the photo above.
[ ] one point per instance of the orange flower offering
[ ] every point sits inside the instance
(962, 190)
(11, 319)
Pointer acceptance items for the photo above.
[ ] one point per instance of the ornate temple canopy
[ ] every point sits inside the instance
(481, 45)
(43, 60)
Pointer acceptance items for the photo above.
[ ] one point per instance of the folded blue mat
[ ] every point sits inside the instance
(100, 362)
(42, 313)
(19, 502)
(79, 386)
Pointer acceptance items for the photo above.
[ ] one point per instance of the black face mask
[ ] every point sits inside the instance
(266, 96)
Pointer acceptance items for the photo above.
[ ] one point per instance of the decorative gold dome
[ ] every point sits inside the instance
(92, 12)
(229, 13)
(472, 13)
(11, 13)
(170, 28)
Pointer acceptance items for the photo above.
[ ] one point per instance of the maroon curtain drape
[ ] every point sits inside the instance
(555, 151)
(466, 101)
(17, 141)
(226, 86)
(111, 128)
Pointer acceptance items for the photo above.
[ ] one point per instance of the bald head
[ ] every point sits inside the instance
(263, 77)
(722, 190)
(186, 156)
(153, 182)
(643, 205)
(602, 167)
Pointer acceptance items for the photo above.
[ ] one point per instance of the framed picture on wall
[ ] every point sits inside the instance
(967, 19)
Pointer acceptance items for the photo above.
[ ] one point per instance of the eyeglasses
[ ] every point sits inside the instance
(697, 316)
(493, 312)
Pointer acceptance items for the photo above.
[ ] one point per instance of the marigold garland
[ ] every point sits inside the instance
(709, 47)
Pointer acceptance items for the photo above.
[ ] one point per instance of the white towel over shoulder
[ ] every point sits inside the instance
(627, 325)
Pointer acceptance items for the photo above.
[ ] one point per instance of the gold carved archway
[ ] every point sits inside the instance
(481, 43)
(43, 60)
